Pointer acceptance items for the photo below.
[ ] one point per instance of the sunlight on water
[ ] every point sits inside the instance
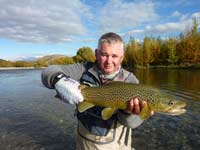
(31, 118)
(179, 132)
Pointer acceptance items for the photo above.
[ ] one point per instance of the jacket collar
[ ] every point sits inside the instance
(94, 71)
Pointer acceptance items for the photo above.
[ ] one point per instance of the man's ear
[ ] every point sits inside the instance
(122, 57)
(96, 51)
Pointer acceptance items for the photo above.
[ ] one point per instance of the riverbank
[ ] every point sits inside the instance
(185, 66)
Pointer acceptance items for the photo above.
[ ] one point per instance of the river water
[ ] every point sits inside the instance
(32, 119)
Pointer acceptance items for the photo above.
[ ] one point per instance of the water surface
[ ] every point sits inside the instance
(163, 132)
(32, 119)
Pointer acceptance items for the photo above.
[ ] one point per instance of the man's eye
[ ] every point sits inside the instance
(103, 55)
(114, 56)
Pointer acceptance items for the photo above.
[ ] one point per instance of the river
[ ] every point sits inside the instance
(31, 118)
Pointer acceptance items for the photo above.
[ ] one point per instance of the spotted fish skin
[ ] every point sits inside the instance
(117, 95)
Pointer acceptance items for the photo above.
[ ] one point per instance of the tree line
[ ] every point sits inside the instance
(183, 50)
(83, 54)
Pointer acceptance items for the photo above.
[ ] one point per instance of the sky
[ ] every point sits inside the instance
(35, 28)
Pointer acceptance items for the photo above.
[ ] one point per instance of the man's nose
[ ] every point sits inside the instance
(109, 59)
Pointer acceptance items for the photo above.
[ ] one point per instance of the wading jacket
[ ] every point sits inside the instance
(87, 73)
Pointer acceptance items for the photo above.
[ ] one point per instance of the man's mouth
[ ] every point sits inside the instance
(108, 66)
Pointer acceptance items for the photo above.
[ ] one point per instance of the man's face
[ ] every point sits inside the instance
(109, 57)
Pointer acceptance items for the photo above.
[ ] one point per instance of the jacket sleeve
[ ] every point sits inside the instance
(74, 71)
(129, 120)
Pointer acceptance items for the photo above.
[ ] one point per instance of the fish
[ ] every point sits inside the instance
(117, 95)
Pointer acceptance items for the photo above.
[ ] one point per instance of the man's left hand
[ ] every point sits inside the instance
(135, 106)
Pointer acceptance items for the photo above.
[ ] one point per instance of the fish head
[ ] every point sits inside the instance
(168, 105)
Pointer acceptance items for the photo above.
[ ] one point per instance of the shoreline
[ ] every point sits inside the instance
(191, 66)
(194, 66)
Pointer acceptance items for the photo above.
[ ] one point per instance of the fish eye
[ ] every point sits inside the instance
(170, 103)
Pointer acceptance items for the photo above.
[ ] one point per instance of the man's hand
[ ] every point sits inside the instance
(135, 106)
(68, 90)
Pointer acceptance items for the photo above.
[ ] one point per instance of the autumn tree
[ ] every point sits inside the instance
(163, 54)
(21, 63)
(155, 48)
(5, 63)
(172, 57)
(147, 51)
(133, 54)
(84, 54)
(196, 41)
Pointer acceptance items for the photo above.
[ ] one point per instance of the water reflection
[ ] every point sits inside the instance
(32, 119)
(26, 131)
(183, 83)
(166, 132)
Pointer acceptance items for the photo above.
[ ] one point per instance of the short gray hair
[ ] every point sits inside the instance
(110, 38)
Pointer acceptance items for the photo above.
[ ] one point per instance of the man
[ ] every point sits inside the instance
(93, 133)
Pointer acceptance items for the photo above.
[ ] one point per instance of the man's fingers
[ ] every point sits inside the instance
(152, 113)
(131, 106)
(136, 106)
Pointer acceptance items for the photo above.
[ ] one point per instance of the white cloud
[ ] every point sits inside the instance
(133, 32)
(163, 28)
(168, 27)
(30, 57)
(57, 21)
(197, 15)
(43, 20)
(176, 14)
(117, 15)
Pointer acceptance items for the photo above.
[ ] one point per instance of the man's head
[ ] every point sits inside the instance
(110, 52)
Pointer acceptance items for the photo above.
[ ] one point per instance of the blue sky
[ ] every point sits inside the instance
(32, 28)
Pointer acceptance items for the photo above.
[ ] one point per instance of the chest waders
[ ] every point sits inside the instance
(90, 120)
(90, 124)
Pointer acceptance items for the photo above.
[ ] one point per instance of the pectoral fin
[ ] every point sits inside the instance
(145, 112)
(107, 113)
(83, 106)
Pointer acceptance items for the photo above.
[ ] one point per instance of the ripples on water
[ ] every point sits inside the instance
(172, 133)
(32, 119)
(185, 94)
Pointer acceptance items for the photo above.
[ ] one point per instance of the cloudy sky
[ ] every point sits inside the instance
(34, 28)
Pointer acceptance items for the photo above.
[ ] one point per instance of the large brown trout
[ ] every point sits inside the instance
(117, 95)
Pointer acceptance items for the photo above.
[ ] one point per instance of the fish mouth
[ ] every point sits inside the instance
(175, 111)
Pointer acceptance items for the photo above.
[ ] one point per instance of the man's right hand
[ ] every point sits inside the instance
(68, 90)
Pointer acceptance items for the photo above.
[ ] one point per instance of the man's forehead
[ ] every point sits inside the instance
(112, 43)
(117, 47)
(112, 52)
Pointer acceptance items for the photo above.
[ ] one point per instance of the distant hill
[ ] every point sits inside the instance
(54, 59)
(40, 62)
(28, 59)
(50, 58)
